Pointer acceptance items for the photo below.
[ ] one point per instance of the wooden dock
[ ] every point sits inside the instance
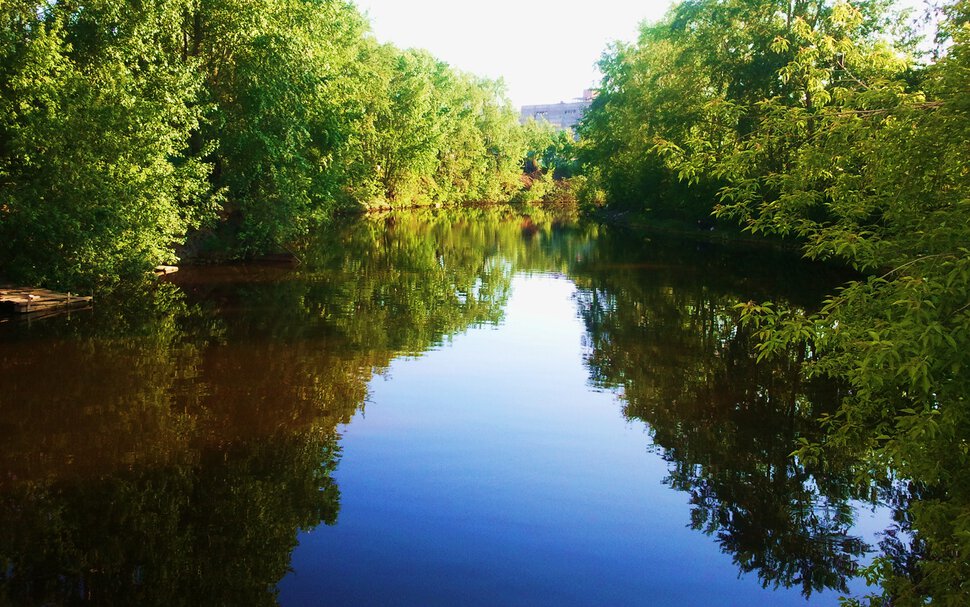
(17, 300)
(165, 270)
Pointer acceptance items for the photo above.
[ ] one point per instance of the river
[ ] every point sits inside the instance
(490, 406)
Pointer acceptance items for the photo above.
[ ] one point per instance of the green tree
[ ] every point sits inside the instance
(281, 74)
(126, 126)
(696, 75)
(96, 178)
(481, 146)
(866, 163)
(429, 133)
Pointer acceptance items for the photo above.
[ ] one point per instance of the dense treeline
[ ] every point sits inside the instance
(812, 120)
(125, 126)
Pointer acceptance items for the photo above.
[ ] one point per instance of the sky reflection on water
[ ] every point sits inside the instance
(490, 472)
(442, 408)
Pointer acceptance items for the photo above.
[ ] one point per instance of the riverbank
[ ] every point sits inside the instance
(705, 231)
(218, 246)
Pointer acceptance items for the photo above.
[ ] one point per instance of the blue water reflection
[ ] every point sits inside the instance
(490, 472)
(491, 406)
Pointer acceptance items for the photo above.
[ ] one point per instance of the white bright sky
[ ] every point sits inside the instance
(545, 50)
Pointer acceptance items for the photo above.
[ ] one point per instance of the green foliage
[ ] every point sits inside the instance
(125, 126)
(811, 121)
(698, 75)
(551, 165)
(864, 163)
(549, 149)
(430, 133)
(649, 91)
(96, 179)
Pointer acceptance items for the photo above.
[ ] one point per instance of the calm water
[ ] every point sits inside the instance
(470, 408)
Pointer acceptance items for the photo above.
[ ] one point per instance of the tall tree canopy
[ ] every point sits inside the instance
(96, 105)
(126, 125)
(700, 72)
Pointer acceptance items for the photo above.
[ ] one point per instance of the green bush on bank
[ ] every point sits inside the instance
(128, 126)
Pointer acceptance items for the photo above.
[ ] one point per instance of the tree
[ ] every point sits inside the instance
(697, 75)
(96, 178)
(282, 77)
(126, 126)
(431, 133)
(866, 163)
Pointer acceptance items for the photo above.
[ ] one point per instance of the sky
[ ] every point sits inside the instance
(545, 50)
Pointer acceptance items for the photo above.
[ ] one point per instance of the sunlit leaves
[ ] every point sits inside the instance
(128, 124)
(860, 154)
(98, 182)
(430, 133)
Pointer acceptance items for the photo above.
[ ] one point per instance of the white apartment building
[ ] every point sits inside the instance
(563, 115)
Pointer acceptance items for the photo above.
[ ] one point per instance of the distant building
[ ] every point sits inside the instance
(563, 115)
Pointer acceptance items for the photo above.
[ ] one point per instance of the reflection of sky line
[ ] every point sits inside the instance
(414, 428)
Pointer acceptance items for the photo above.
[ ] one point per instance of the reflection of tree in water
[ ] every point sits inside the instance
(670, 339)
(407, 281)
(133, 475)
(171, 450)
(218, 530)
(165, 451)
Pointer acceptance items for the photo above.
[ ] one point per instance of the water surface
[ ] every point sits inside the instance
(480, 407)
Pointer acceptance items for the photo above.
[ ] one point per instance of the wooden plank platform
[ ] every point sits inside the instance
(19, 300)
(166, 270)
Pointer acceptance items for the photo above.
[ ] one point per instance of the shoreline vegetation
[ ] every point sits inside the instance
(841, 127)
(237, 127)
